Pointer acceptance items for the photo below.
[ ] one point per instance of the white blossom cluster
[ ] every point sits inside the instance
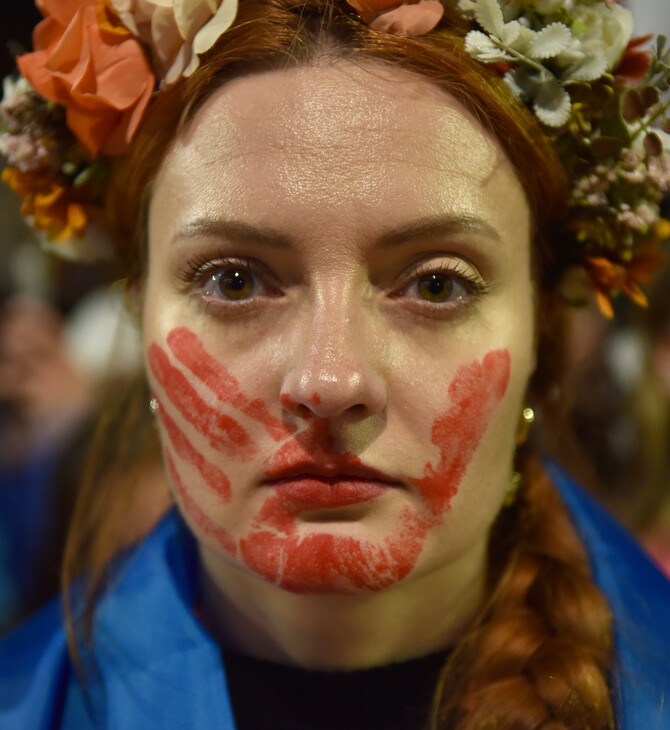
(551, 44)
(23, 143)
(632, 189)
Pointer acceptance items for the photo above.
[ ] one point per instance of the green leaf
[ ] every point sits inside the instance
(660, 44)
(612, 124)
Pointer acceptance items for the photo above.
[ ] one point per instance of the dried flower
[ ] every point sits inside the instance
(49, 205)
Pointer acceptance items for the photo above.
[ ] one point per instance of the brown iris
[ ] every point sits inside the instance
(235, 283)
(435, 288)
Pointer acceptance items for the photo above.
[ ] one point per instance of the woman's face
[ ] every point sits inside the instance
(339, 327)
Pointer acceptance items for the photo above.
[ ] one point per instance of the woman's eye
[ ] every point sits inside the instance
(437, 288)
(233, 283)
(441, 287)
(226, 281)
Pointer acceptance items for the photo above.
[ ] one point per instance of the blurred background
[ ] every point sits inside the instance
(65, 339)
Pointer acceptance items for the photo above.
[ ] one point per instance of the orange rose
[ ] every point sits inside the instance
(85, 60)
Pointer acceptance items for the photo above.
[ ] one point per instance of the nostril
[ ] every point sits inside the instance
(360, 411)
(297, 409)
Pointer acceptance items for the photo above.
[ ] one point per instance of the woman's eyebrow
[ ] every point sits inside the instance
(232, 230)
(442, 225)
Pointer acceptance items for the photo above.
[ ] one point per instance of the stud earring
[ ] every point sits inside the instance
(527, 418)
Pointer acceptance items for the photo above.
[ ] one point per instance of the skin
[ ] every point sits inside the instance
(342, 187)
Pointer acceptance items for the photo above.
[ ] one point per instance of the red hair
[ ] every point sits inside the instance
(538, 654)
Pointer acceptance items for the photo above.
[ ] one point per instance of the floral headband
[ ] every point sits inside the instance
(83, 93)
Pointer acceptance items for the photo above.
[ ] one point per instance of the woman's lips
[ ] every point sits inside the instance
(310, 492)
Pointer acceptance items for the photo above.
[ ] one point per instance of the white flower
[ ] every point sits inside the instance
(546, 7)
(466, 7)
(550, 41)
(588, 68)
(25, 152)
(15, 93)
(602, 30)
(11, 89)
(481, 47)
(552, 104)
(177, 31)
(490, 17)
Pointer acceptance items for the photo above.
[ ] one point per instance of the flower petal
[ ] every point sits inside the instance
(213, 30)
(590, 68)
(190, 16)
(102, 77)
(410, 19)
(511, 32)
(481, 47)
(550, 41)
(62, 11)
(521, 82)
(490, 17)
(552, 104)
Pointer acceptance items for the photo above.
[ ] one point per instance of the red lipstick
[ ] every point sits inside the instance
(311, 486)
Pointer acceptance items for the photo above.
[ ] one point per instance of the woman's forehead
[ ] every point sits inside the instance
(368, 111)
(335, 137)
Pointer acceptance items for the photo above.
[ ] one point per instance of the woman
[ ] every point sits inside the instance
(339, 237)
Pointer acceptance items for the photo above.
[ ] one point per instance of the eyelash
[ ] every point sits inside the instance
(200, 269)
(456, 269)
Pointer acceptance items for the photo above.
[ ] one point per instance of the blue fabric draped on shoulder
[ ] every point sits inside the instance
(157, 668)
(639, 598)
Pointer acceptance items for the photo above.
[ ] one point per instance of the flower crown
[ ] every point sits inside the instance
(83, 92)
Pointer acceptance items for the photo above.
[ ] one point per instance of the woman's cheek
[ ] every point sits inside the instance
(474, 395)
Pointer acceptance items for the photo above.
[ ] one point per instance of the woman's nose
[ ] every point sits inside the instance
(333, 371)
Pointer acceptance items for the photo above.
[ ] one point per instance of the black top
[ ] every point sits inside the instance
(268, 696)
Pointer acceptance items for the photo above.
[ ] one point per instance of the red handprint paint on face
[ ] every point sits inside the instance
(474, 394)
(328, 563)
(191, 508)
(188, 349)
(323, 562)
(213, 477)
(314, 444)
(222, 431)
(280, 546)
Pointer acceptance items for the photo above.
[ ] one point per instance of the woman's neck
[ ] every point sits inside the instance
(416, 617)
